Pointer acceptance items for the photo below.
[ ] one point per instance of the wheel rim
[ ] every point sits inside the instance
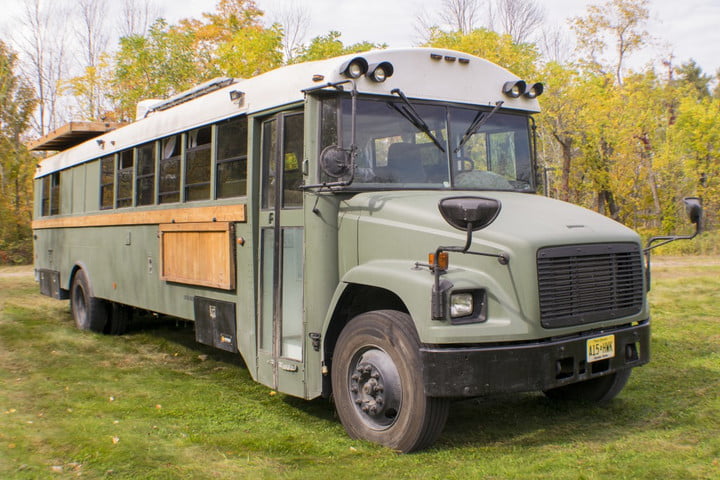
(375, 389)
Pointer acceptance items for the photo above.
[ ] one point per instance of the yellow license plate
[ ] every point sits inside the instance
(600, 348)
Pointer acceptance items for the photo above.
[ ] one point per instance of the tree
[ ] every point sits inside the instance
(330, 45)
(42, 43)
(153, 66)
(690, 73)
(251, 51)
(137, 17)
(17, 102)
(517, 18)
(89, 89)
(518, 58)
(294, 21)
(619, 22)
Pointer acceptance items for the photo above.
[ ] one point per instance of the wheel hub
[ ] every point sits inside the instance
(375, 388)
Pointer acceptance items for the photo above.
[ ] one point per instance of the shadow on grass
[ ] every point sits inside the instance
(520, 420)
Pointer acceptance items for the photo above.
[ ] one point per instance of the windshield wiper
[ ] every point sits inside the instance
(414, 117)
(480, 119)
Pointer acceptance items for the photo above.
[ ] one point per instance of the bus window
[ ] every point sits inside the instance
(45, 205)
(107, 181)
(292, 160)
(197, 164)
(231, 175)
(170, 170)
(124, 179)
(145, 183)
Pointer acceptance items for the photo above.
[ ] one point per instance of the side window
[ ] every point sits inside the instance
(45, 205)
(197, 164)
(145, 182)
(55, 193)
(124, 179)
(292, 160)
(107, 181)
(231, 175)
(50, 195)
(170, 169)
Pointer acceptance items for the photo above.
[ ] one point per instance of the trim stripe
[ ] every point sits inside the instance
(226, 213)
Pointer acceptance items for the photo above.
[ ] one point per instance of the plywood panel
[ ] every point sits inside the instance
(198, 254)
(220, 213)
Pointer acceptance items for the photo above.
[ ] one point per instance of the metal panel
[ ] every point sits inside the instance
(215, 323)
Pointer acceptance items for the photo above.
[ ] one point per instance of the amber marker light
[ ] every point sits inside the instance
(443, 260)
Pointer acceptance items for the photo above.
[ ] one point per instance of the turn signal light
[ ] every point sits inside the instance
(443, 260)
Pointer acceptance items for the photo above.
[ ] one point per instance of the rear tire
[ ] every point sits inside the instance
(89, 313)
(118, 320)
(598, 390)
(377, 380)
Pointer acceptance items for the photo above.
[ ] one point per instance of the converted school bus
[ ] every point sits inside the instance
(365, 226)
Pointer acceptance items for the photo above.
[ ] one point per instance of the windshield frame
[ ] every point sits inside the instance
(334, 115)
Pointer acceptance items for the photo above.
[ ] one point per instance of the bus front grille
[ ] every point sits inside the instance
(582, 284)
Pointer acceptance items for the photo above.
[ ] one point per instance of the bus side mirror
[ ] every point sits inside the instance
(335, 161)
(693, 207)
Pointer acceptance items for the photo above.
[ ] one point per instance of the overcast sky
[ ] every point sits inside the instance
(687, 28)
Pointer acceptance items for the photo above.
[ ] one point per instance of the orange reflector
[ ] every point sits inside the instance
(443, 260)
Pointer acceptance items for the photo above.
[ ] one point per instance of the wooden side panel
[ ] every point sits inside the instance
(198, 254)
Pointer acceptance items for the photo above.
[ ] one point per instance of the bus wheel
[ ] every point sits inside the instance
(598, 390)
(90, 313)
(377, 383)
(120, 316)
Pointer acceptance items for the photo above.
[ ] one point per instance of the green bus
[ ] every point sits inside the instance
(364, 228)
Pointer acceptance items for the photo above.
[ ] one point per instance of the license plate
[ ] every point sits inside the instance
(600, 348)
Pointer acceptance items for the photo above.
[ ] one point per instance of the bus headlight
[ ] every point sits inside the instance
(461, 304)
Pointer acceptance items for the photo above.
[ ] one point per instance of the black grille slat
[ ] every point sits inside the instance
(582, 284)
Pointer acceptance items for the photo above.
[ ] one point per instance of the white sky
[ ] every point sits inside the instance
(687, 28)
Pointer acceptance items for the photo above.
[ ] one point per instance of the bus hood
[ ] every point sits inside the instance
(408, 224)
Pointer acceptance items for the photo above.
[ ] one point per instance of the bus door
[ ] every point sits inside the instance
(280, 330)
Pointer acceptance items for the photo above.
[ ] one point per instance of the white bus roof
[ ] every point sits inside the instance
(421, 73)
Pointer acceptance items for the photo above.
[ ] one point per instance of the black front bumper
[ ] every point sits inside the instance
(477, 370)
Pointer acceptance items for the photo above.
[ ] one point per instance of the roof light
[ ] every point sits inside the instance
(379, 72)
(464, 60)
(436, 56)
(514, 89)
(535, 90)
(354, 68)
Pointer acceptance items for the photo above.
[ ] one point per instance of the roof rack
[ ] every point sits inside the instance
(187, 95)
(71, 134)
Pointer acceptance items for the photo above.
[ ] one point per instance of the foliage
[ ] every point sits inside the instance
(330, 45)
(17, 102)
(519, 58)
(251, 51)
(153, 66)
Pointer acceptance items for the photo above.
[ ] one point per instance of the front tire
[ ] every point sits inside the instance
(89, 313)
(377, 380)
(599, 390)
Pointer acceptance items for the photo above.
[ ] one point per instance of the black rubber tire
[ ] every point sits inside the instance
(118, 320)
(89, 313)
(391, 337)
(599, 390)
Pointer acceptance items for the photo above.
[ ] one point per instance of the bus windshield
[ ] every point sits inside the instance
(394, 153)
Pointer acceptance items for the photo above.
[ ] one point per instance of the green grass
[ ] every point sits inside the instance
(154, 404)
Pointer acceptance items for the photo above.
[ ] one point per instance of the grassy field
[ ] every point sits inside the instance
(154, 404)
